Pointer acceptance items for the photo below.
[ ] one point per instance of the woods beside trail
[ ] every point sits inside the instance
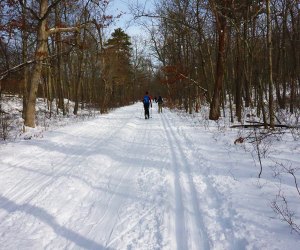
(217, 169)
(241, 54)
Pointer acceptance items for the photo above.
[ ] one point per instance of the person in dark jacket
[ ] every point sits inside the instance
(147, 103)
(160, 104)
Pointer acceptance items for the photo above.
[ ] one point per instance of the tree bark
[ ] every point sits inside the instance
(214, 113)
(24, 58)
(40, 55)
(238, 80)
(270, 65)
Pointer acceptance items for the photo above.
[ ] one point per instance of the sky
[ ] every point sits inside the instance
(126, 21)
(118, 181)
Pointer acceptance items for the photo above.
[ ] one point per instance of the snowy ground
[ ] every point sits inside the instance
(122, 182)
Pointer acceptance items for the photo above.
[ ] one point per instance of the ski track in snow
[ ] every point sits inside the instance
(189, 227)
(115, 182)
(203, 199)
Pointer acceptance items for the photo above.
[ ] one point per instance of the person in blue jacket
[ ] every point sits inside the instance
(147, 103)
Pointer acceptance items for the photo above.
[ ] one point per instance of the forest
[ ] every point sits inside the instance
(244, 55)
(237, 60)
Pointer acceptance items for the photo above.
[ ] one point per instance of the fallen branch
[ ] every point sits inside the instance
(260, 124)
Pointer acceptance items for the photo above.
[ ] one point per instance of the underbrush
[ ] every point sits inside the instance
(12, 124)
(275, 153)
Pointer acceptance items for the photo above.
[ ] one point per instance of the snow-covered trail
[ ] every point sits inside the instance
(119, 182)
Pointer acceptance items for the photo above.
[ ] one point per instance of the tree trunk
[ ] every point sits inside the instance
(40, 55)
(270, 65)
(238, 80)
(60, 87)
(247, 65)
(215, 104)
(261, 103)
(24, 58)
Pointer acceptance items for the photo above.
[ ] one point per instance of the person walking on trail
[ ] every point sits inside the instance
(160, 104)
(147, 103)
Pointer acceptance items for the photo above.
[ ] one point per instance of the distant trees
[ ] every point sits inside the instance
(242, 54)
(56, 49)
(245, 53)
(117, 74)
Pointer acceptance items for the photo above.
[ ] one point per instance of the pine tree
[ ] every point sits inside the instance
(118, 68)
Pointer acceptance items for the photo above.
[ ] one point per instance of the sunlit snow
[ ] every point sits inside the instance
(118, 181)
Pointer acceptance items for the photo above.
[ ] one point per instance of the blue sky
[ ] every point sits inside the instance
(126, 21)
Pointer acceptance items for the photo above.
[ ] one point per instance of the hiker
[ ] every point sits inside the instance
(147, 103)
(160, 103)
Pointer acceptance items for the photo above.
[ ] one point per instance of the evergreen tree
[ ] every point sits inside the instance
(118, 68)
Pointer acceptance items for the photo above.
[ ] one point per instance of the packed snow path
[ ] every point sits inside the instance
(123, 182)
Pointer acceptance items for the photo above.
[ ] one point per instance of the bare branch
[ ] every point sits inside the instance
(30, 10)
(192, 80)
(16, 68)
(61, 30)
(22, 65)
(49, 9)
(281, 207)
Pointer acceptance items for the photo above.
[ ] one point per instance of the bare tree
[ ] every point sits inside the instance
(221, 26)
(41, 53)
(270, 63)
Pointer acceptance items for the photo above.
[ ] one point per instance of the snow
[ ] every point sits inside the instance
(118, 181)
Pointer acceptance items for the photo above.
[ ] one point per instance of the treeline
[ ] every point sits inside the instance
(241, 54)
(61, 50)
(236, 53)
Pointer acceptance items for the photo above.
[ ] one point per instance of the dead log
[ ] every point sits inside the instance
(261, 124)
